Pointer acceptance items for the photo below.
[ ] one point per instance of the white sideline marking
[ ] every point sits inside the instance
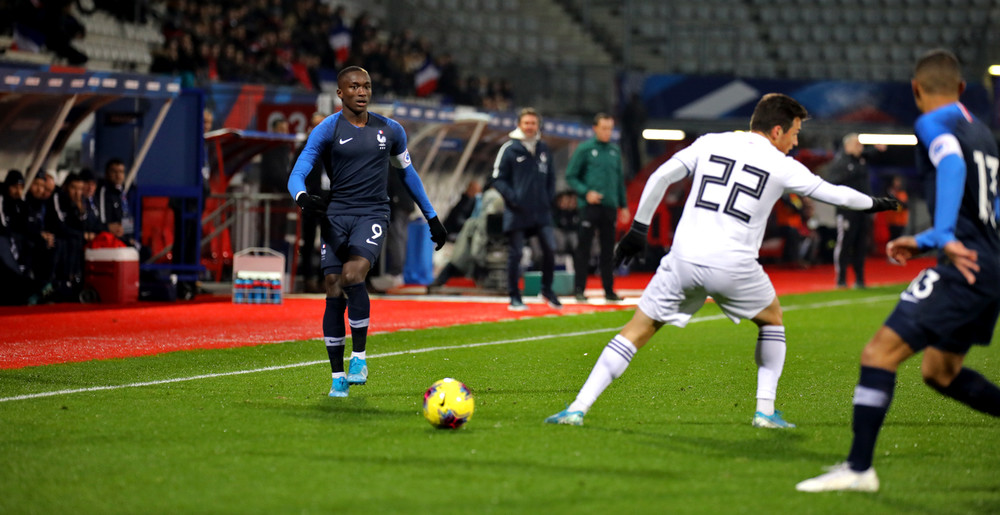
(412, 351)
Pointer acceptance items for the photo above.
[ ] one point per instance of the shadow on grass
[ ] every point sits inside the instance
(515, 466)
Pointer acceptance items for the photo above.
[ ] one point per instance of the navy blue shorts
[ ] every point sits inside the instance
(941, 310)
(351, 235)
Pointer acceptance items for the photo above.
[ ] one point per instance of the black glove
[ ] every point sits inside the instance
(632, 244)
(884, 204)
(314, 203)
(439, 234)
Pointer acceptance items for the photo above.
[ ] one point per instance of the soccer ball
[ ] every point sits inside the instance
(448, 404)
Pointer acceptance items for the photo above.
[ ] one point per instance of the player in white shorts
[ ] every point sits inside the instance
(737, 178)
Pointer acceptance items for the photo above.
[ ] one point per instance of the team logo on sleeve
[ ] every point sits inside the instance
(381, 139)
(406, 159)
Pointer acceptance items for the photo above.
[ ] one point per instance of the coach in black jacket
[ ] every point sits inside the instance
(854, 228)
(524, 176)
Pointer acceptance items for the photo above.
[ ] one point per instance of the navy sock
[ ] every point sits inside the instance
(872, 397)
(334, 332)
(358, 310)
(972, 389)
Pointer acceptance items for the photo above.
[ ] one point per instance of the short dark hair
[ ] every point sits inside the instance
(938, 71)
(350, 69)
(602, 116)
(71, 178)
(114, 161)
(776, 109)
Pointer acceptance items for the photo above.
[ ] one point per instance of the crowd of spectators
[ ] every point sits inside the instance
(44, 24)
(44, 231)
(304, 43)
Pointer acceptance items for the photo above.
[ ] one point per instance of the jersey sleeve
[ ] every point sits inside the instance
(945, 152)
(688, 156)
(319, 139)
(399, 158)
(398, 138)
(652, 193)
(843, 196)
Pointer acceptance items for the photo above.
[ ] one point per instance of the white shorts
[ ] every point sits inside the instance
(678, 290)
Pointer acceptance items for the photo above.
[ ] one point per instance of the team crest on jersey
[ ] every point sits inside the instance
(594, 152)
(381, 139)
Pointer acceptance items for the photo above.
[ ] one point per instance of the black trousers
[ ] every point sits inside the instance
(854, 230)
(602, 220)
(515, 249)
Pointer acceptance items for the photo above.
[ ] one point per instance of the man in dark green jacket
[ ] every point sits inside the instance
(595, 173)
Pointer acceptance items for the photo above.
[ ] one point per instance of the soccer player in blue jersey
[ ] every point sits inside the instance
(947, 308)
(356, 147)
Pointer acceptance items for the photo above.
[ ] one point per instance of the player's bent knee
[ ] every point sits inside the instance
(938, 372)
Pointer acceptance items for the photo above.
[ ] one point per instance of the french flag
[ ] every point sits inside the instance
(426, 78)
(340, 42)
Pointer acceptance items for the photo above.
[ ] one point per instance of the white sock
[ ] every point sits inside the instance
(339, 374)
(770, 356)
(359, 355)
(614, 359)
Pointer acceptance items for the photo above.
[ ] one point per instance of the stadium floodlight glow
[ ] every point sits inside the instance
(663, 134)
(994, 70)
(887, 139)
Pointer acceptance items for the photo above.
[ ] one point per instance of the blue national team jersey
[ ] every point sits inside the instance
(952, 143)
(356, 160)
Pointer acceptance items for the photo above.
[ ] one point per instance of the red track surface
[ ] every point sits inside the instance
(43, 335)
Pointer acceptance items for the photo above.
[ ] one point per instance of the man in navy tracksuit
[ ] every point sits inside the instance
(524, 176)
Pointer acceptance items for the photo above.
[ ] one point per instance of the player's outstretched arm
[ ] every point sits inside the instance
(884, 204)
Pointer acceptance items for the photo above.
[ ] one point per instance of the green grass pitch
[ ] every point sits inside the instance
(672, 435)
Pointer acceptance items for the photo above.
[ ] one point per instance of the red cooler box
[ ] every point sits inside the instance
(113, 274)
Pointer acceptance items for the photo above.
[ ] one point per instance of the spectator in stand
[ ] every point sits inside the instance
(89, 188)
(49, 24)
(13, 213)
(112, 204)
(165, 60)
(74, 224)
(468, 256)
(14, 274)
(50, 186)
(39, 244)
(449, 83)
(462, 210)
